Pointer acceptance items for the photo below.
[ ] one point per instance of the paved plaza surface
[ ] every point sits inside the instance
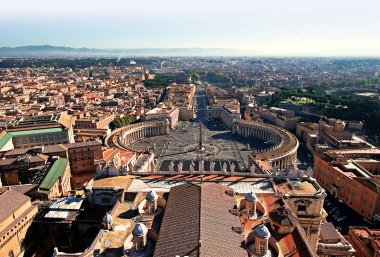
(182, 144)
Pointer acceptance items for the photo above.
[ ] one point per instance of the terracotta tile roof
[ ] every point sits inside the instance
(6, 162)
(18, 151)
(66, 120)
(23, 189)
(179, 232)
(328, 232)
(216, 234)
(82, 144)
(38, 158)
(13, 200)
(283, 216)
(52, 149)
(199, 213)
(296, 242)
(108, 154)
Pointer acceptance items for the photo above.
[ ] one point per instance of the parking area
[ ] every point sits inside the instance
(342, 216)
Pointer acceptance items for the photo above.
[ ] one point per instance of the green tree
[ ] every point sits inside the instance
(120, 122)
(195, 76)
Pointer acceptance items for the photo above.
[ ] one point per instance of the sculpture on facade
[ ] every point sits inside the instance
(171, 167)
(201, 166)
(192, 167)
(180, 166)
(232, 169)
(224, 167)
(212, 166)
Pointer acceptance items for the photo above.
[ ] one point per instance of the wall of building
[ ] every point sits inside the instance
(41, 139)
(12, 238)
(364, 247)
(223, 114)
(82, 158)
(346, 188)
(62, 186)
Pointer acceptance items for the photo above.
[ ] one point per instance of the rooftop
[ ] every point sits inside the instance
(328, 232)
(52, 149)
(118, 181)
(365, 233)
(298, 188)
(4, 139)
(82, 144)
(56, 171)
(239, 184)
(199, 213)
(11, 201)
(61, 208)
(34, 131)
(23, 189)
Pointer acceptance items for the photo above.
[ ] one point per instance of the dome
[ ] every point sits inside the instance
(139, 230)
(262, 232)
(251, 197)
(107, 218)
(151, 196)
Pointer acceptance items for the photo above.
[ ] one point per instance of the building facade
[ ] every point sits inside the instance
(57, 182)
(170, 113)
(95, 122)
(82, 158)
(351, 179)
(15, 221)
(365, 241)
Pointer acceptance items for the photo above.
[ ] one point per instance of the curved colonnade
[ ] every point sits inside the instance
(284, 150)
(282, 154)
(123, 137)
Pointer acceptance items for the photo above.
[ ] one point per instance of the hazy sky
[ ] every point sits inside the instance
(277, 27)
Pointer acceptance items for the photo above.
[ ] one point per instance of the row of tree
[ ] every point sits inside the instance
(358, 109)
(120, 122)
(212, 77)
(160, 80)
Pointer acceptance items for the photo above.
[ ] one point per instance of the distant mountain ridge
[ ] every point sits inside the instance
(62, 51)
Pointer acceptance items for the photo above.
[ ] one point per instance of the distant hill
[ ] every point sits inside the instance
(60, 51)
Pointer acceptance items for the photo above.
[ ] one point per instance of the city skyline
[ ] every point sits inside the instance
(293, 28)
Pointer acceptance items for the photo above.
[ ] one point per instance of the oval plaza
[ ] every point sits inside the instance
(215, 142)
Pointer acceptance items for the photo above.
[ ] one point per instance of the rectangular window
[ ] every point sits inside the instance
(262, 247)
(140, 246)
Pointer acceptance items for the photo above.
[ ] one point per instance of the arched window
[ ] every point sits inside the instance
(11, 254)
(251, 211)
(151, 208)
